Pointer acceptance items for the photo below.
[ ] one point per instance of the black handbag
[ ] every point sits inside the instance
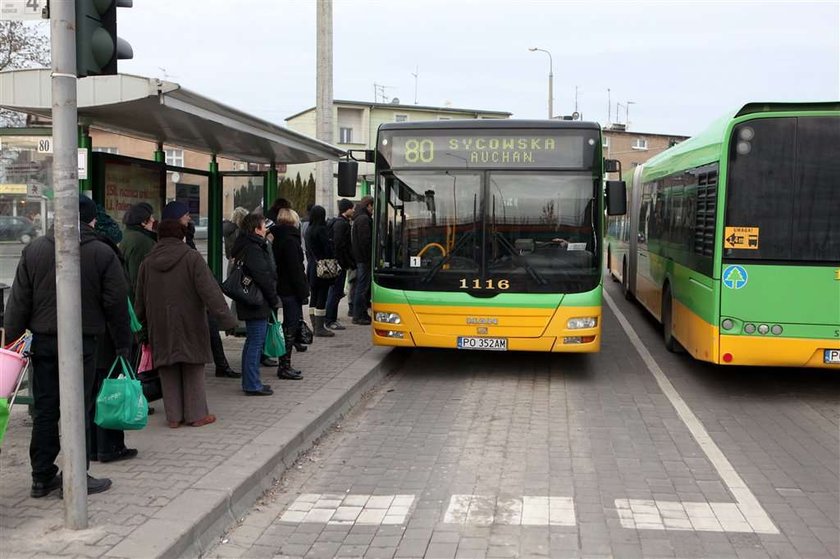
(150, 382)
(240, 287)
(304, 333)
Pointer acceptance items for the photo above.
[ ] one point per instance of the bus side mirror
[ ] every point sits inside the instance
(612, 166)
(348, 175)
(370, 156)
(616, 198)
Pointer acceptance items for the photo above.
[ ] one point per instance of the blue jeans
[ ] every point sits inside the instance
(335, 295)
(251, 352)
(361, 300)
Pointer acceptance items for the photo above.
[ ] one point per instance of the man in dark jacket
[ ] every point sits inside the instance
(32, 304)
(138, 240)
(362, 237)
(340, 237)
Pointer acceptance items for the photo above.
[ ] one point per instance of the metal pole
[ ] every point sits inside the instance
(67, 264)
(324, 191)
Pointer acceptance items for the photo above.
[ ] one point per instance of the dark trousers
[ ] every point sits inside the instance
(104, 443)
(335, 295)
(361, 299)
(292, 313)
(46, 411)
(216, 346)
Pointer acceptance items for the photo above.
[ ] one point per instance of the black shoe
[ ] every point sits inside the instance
(44, 488)
(268, 361)
(227, 373)
(300, 347)
(289, 374)
(264, 391)
(362, 321)
(94, 485)
(124, 454)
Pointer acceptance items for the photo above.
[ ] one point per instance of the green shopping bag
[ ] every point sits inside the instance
(275, 343)
(4, 417)
(135, 324)
(120, 404)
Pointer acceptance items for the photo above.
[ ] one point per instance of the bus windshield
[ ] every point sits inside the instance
(445, 230)
(783, 189)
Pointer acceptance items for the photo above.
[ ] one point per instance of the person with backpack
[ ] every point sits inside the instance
(339, 235)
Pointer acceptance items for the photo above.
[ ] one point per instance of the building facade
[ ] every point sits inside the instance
(634, 148)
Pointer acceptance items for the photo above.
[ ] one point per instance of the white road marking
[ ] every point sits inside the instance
(745, 504)
(486, 510)
(349, 509)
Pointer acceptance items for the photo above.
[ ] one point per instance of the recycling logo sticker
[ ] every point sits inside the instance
(735, 277)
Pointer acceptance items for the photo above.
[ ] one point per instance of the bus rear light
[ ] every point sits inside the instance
(763, 329)
(578, 323)
(390, 334)
(727, 323)
(776, 329)
(749, 328)
(727, 358)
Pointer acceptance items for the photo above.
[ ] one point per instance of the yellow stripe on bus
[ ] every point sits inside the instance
(526, 329)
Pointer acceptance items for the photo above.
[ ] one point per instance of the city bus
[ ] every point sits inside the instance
(488, 234)
(732, 238)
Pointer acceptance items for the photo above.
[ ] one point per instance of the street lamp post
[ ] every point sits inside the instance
(627, 112)
(550, 80)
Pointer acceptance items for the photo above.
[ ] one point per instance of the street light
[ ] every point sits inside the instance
(550, 80)
(627, 112)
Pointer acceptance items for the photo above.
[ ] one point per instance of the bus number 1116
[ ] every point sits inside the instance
(488, 284)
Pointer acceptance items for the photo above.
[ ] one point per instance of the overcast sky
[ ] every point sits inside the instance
(683, 64)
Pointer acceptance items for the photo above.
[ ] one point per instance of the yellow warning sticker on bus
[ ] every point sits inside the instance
(741, 238)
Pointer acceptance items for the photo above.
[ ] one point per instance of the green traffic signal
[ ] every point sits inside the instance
(97, 46)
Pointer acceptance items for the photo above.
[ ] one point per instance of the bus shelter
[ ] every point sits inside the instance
(158, 113)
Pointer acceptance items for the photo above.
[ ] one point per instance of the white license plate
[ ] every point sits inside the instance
(490, 344)
(831, 356)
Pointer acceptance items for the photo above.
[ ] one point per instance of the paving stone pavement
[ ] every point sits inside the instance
(524, 455)
(187, 485)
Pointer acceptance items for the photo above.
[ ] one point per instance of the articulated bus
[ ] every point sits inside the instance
(488, 234)
(732, 238)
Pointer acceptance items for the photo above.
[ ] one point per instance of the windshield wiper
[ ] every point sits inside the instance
(518, 259)
(461, 242)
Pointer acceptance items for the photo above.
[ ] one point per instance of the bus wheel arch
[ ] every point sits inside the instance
(625, 280)
(671, 343)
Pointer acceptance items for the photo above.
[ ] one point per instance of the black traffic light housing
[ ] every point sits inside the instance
(97, 46)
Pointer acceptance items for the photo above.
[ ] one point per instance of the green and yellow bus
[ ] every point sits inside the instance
(488, 234)
(732, 238)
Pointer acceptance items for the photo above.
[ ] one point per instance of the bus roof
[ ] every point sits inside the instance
(488, 123)
(706, 147)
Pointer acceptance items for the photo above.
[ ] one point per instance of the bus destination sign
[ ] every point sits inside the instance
(492, 150)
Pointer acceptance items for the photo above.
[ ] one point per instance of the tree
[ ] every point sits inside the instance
(249, 196)
(22, 45)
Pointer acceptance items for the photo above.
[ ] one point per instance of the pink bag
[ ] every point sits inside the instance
(146, 363)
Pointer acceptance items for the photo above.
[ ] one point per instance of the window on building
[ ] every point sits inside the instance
(640, 143)
(634, 164)
(174, 157)
(606, 144)
(115, 151)
(345, 135)
(400, 118)
(672, 142)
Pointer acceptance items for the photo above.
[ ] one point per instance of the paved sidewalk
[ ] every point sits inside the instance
(188, 485)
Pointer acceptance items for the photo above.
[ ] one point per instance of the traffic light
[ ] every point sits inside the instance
(97, 46)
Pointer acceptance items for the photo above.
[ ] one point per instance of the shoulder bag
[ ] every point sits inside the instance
(327, 268)
(241, 287)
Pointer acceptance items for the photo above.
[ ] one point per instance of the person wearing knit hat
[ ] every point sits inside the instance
(138, 240)
(176, 210)
(138, 214)
(339, 234)
(87, 210)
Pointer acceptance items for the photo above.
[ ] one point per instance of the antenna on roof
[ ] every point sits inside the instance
(379, 92)
(416, 75)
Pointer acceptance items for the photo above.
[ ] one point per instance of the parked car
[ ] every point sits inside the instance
(17, 228)
(201, 228)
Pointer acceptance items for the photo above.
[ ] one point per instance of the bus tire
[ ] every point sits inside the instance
(671, 343)
(609, 264)
(625, 281)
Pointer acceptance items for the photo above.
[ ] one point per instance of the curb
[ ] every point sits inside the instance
(192, 523)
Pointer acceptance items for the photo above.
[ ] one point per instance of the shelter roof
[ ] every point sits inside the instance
(163, 111)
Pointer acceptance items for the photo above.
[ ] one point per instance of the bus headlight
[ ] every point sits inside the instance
(387, 317)
(391, 334)
(578, 323)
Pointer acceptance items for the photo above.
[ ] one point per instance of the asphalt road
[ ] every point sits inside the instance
(632, 452)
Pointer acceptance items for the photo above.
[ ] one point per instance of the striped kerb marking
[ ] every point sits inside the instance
(485, 510)
(329, 508)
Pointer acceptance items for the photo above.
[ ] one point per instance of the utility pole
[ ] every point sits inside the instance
(67, 263)
(416, 74)
(609, 106)
(324, 191)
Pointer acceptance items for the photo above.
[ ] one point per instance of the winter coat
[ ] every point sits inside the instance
(342, 243)
(288, 256)
(253, 250)
(175, 290)
(362, 236)
(317, 248)
(32, 302)
(136, 244)
(230, 231)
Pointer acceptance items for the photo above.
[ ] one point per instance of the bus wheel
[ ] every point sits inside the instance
(671, 343)
(625, 281)
(609, 264)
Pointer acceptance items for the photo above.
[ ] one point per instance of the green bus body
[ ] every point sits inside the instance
(458, 255)
(732, 238)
